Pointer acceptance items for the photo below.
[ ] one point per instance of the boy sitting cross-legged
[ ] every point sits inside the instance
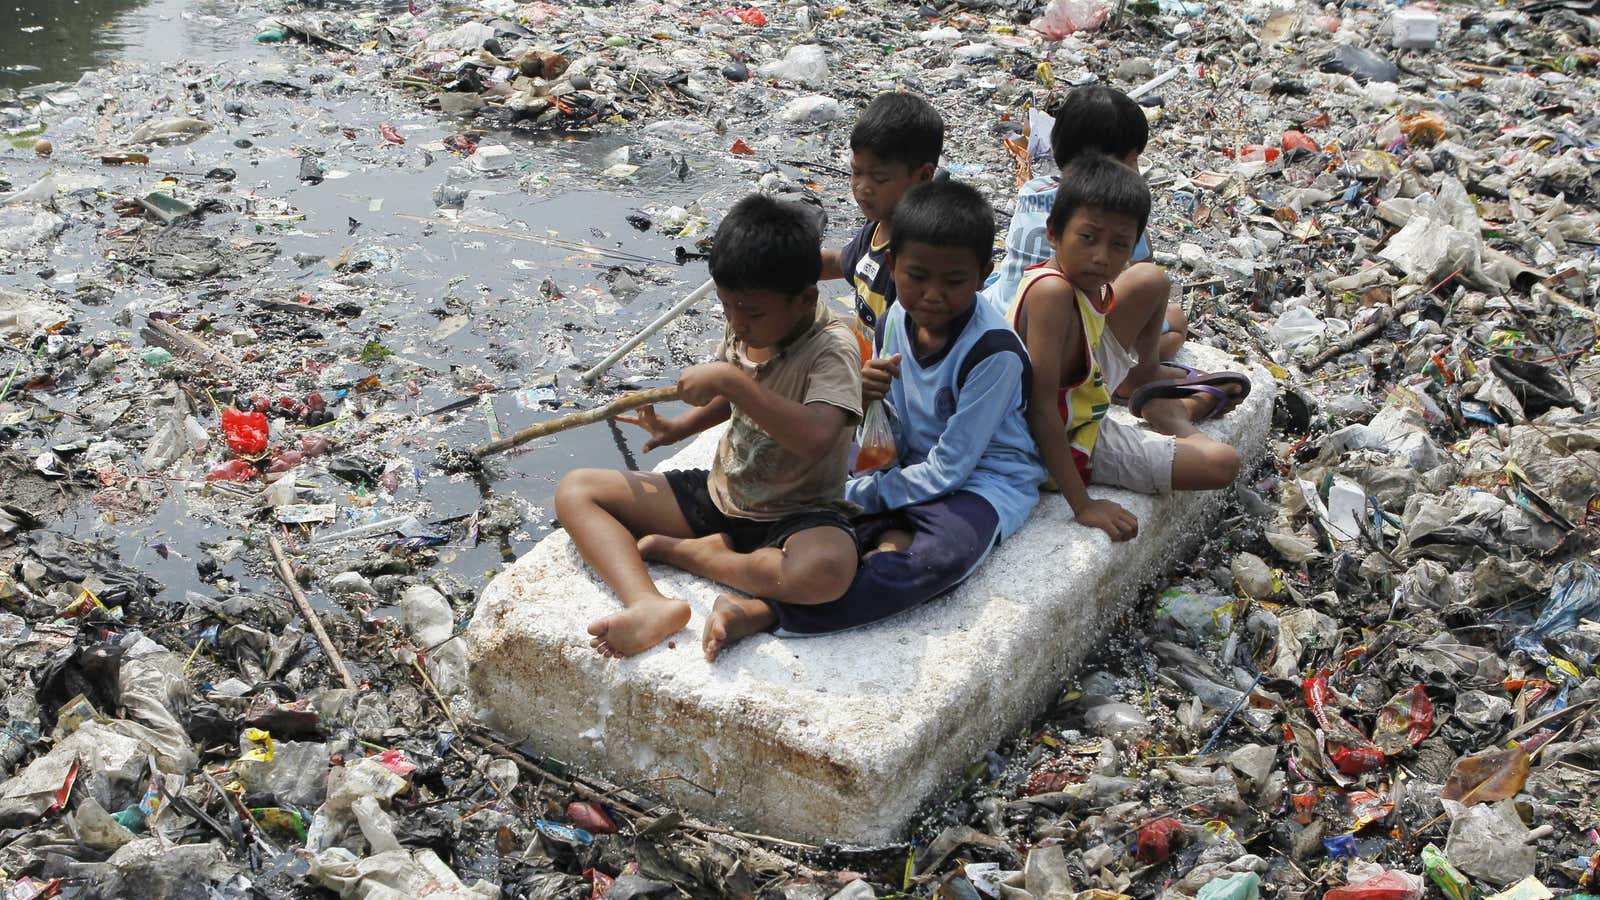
(955, 378)
(769, 518)
(1077, 332)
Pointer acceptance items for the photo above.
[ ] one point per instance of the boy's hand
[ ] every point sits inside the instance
(662, 431)
(876, 374)
(699, 385)
(1110, 517)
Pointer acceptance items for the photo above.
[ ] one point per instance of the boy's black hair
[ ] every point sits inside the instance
(1099, 118)
(766, 244)
(900, 127)
(945, 214)
(1098, 181)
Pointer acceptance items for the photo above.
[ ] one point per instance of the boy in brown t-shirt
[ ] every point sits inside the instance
(769, 519)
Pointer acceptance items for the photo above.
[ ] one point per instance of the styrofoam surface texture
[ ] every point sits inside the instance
(842, 736)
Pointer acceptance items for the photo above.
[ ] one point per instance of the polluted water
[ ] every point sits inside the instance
(269, 272)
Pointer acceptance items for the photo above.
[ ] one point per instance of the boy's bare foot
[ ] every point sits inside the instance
(1178, 416)
(1138, 377)
(734, 618)
(688, 554)
(645, 623)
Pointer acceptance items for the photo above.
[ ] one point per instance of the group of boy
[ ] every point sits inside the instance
(997, 383)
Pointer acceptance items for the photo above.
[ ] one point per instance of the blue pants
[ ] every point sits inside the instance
(950, 537)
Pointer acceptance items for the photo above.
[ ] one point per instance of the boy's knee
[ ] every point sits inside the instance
(576, 487)
(1223, 464)
(1177, 319)
(820, 576)
(1147, 279)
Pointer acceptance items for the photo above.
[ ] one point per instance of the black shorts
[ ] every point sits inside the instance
(745, 535)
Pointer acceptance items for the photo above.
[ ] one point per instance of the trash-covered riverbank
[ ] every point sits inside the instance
(273, 297)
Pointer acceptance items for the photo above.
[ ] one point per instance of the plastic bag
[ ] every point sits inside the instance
(1391, 885)
(1404, 721)
(1064, 17)
(806, 64)
(876, 439)
(246, 431)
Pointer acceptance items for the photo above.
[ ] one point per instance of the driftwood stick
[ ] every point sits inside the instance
(286, 575)
(161, 334)
(622, 404)
(1349, 343)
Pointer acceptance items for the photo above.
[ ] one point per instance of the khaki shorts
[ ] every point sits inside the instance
(1127, 454)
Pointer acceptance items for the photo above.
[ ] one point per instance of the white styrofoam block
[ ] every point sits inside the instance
(842, 736)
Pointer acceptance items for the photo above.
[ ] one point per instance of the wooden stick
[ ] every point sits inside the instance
(623, 255)
(1350, 343)
(632, 400)
(286, 575)
(163, 335)
(661, 321)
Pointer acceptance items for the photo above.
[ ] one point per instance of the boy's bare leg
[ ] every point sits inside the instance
(1142, 291)
(1202, 464)
(734, 618)
(813, 566)
(1177, 332)
(603, 510)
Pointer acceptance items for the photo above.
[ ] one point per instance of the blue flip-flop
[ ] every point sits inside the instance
(1212, 384)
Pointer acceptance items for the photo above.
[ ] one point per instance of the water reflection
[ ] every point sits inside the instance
(58, 40)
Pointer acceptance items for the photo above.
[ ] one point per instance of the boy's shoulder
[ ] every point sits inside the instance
(860, 244)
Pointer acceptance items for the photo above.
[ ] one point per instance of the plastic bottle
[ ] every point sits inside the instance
(15, 739)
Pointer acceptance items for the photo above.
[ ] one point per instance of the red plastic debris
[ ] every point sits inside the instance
(1158, 839)
(462, 144)
(1390, 885)
(740, 148)
(1404, 721)
(1351, 751)
(233, 470)
(1299, 140)
(590, 817)
(752, 17)
(389, 134)
(246, 432)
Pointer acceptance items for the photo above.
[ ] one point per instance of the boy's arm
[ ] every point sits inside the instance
(831, 267)
(1052, 325)
(807, 430)
(992, 391)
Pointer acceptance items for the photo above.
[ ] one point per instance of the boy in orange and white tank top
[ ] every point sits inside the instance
(1077, 336)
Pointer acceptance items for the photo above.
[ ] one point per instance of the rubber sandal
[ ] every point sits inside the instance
(1188, 372)
(1212, 384)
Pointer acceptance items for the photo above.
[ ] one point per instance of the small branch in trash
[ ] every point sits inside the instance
(434, 691)
(587, 792)
(1228, 716)
(247, 824)
(628, 401)
(286, 575)
(1549, 718)
(1350, 343)
(164, 335)
(623, 255)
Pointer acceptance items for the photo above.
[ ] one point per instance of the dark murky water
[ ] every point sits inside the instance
(432, 277)
(58, 40)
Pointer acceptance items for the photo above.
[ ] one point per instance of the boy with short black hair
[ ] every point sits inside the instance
(1095, 119)
(769, 518)
(894, 146)
(1077, 330)
(955, 377)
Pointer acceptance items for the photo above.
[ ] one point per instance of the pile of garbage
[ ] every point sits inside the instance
(236, 566)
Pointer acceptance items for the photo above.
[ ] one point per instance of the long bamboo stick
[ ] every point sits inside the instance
(286, 575)
(622, 404)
